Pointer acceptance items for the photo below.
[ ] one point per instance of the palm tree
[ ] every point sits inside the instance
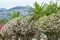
(37, 10)
(51, 8)
(14, 15)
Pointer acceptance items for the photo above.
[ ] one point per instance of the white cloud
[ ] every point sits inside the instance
(13, 3)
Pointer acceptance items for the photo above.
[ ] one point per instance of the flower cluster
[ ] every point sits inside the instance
(50, 23)
(16, 25)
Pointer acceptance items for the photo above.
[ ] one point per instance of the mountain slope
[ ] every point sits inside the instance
(22, 9)
(3, 9)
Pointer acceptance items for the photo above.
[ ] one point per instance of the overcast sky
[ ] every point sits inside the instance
(13, 3)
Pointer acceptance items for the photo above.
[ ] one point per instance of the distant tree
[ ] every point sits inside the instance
(3, 21)
(15, 15)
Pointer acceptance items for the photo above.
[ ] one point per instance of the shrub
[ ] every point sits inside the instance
(50, 25)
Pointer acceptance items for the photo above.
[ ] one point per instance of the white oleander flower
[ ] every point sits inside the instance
(50, 23)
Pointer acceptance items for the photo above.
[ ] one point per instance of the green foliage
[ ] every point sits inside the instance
(2, 36)
(51, 8)
(3, 21)
(44, 22)
(37, 10)
(44, 9)
(50, 25)
(14, 15)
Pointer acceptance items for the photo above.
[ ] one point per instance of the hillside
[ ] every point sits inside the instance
(22, 9)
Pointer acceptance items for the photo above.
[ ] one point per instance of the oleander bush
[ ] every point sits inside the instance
(50, 25)
(17, 25)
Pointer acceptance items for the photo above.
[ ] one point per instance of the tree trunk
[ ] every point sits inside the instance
(49, 38)
(38, 35)
(28, 37)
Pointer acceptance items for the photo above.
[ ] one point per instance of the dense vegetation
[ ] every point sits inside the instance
(45, 19)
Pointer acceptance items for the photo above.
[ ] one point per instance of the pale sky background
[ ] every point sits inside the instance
(13, 3)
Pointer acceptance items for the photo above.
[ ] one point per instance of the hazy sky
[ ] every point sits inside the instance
(13, 3)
